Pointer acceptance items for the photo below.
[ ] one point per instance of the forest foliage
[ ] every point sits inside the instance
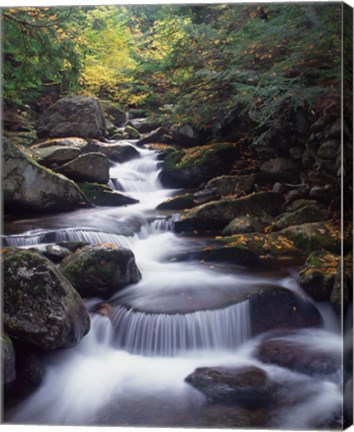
(208, 61)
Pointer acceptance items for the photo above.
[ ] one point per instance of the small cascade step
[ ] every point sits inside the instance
(162, 224)
(159, 334)
(55, 236)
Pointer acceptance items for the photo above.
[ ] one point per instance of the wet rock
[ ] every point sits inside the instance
(30, 369)
(247, 386)
(188, 200)
(185, 135)
(40, 305)
(298, 204)
(89, 167)
(232, 185)
(145, 125)
(158, 136)
(131, 132)
(116, 152)
(309, 237)
(179, 202)
(79, 116)
(275, 307)
(8, 360)
(281, 169)
(28, 186)
(72, 246)
(103, 195)
(287, 352)
(329, 149)
(192, 167)
(55, 253)
(114, 113)
(100, 270)
(245, 224)
(217, 214)
(308, 213)
(318, 275)
(244, 249)
(56, 155)
(221, 252)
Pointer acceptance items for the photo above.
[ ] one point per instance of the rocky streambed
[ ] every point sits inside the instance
(177, 293)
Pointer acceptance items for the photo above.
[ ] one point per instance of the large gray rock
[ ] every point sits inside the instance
(113, 113)
(90, 167)
(102, 195)
(40, 305)
(286, 351)
(28, 186)
(246, 386)
(116, 152)
(56, 155)
(73, 116)
(100, 270)
(190, 168)
(308, 213)
(274, 307)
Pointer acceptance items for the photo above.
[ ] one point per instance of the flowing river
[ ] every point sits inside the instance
(130, 369)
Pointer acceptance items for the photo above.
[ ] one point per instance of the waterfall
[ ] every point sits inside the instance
(31, 239)
(161, 225)
(160, 334)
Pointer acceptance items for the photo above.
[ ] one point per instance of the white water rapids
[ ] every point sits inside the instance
(130, 369)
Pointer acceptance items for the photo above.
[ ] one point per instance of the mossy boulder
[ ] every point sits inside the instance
(244, 249)
(309, 237)
(246, 224)
(8, 360)
(79, 116)
(306, 214)
(274, 308)
(40, 305)
(76, 142)
(247, 386)
(318, 275)
(179, 202)
(31, 187)
(191, 167)
(217, 214)
(103, 195)
(90, 167)
(101, 270)
(131, 132)
(232, 185)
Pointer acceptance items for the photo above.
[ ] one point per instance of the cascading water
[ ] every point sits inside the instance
(130, 368)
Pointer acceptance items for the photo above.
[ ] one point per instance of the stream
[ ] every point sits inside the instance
(130, 369)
